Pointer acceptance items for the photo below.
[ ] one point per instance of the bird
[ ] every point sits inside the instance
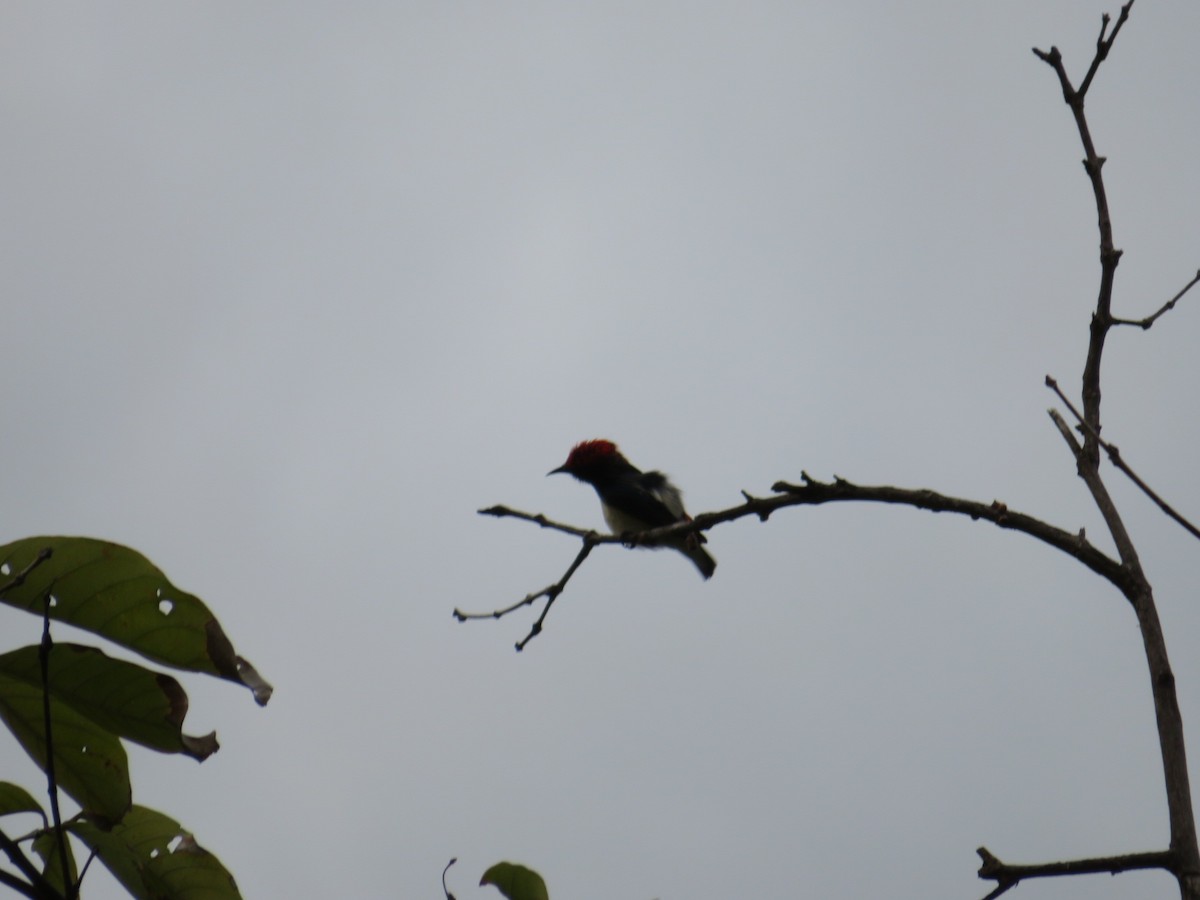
(632, 500)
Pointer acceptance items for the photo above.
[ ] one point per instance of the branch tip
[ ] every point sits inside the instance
(1051, 57)
(1145, 323)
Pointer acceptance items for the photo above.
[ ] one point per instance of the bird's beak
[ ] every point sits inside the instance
(560, 469)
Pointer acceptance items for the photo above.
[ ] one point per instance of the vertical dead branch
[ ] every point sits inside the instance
(1183, 856)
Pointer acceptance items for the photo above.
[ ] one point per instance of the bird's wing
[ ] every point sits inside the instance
(636, 504)
(671, 497)
(656, 484)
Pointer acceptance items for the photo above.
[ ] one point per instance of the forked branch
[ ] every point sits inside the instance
(1114, 455)
(1093, 163)
(810, 493)
(1009, 876)
(550, 592)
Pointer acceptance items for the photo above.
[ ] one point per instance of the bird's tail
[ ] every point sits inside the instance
(698, 555)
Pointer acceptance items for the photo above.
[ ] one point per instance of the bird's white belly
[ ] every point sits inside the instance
(619, 522)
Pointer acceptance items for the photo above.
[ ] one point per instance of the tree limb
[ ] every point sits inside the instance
(1109, 255)
(1184, 847)
(1145, 323)
(810, 493)
(1008, 876)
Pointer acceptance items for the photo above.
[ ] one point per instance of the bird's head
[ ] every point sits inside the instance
(586, 456)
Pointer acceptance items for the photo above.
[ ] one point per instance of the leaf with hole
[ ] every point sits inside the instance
(117, 593)
(155, 859)
(89, 761)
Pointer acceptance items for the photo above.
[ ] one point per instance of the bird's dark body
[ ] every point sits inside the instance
(633, 500)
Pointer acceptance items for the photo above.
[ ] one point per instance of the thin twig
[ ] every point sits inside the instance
(500, 512)
(38, 886)
(19, 579)
(1104, 45)
(51, 781)
(551, 592)
(1114, 455)
(1145, 323)
(1067, 435)
(83, 870)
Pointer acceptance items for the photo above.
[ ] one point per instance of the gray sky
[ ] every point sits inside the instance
(291, 290)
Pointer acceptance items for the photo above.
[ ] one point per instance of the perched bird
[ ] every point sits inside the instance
(633, 500)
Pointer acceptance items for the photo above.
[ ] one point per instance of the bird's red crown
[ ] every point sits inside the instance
(587, 453)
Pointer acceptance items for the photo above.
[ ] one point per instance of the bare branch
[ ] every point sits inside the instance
(590, 539)
(501, 512)
(1074, 544)
(810, 493)
(1145, 323)
(1184, 845)
(1114, 454)
(1065, 430)
(1008, 876)
(1103, 45)
(1093, 163)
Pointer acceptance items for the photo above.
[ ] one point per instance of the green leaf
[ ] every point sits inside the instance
(46, 846)
(89, 761)
(122, 697)
(155, 859)
(117, 593)
(516, 882)
(15, 799)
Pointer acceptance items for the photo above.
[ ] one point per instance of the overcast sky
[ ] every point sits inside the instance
(291, 290)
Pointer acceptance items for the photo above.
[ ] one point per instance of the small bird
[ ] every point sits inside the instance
(633, 500)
